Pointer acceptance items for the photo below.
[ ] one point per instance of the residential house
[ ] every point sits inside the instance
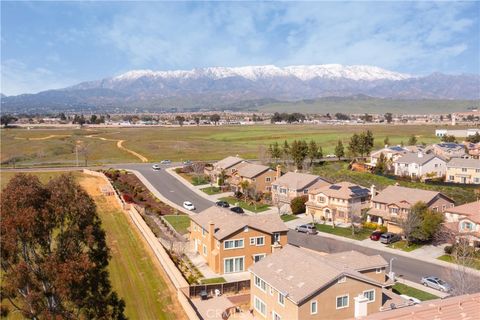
(394, 203)
(466, 171)
(464, 221)
(448, 150)
(259, 177)
(391, 153)
(227, 166)
(232, 242)
(420, 165)
(294, 184)
(297, 283)
(473, 149)
(339, 201)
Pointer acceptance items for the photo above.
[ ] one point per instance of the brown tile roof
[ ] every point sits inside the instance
(251, 170)
(227, 162)
(228, 222)
(290, 271)
(464, 163)
(358, 261)
(298, 181)
(342, 190)
(454, 308)
(397, 194)
(467, 209)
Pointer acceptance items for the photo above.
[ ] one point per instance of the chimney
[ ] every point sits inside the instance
(211, 231)
(276, 247)
(279, 171)
(420, 154)
(361, 303)
(373, 190)
(386, 146)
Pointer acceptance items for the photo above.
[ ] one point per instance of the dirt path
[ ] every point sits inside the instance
(120, 146)
(45, 138)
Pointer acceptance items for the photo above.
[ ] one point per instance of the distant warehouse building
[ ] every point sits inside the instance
(457, 133)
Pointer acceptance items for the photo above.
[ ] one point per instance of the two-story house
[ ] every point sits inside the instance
(393, 203)
(259, 177)
(231, 242)
(420, 165)
(464, 221)
(226, 166)
(294, 184)
(391, 153)
(339, 201)
(297, 283)
(466, 171)
(448, 150)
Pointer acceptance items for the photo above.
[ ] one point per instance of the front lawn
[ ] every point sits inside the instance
(196, 180)
(213, 280)
(212, 190)
(288, 217)
(179, 222)
(400, 288)
(402, 245)
(244, 205)
(361, 234)
(475, 263)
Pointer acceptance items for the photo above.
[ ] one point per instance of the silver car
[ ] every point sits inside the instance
(436, 283)
(307, 228)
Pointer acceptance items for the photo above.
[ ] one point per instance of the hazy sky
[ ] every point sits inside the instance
(47, 45)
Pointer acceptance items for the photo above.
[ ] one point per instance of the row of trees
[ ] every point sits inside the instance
(288, 117)
(361, 144)
(94, 119)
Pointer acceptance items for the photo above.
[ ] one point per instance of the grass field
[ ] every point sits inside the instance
(402, 245)
(134, 273)
(57, 146)
(400, 288)
(242, 204)
(179, 222)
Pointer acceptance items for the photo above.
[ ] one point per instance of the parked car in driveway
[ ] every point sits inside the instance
(237, 210)
(223, 204)
(188, 205)
(165, 162)
(436, 283)
(307, 228)
(389, 237)
(375, 236)
(156, 167)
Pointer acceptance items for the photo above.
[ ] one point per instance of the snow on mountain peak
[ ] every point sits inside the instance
(302, 72)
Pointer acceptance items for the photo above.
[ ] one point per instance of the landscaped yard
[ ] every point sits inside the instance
(213, 280)
(361, 234)
(212, 190)
(402, 245)
(474, 263)
(246, 206)
(288, 217)
(195, 180)
(400, 288)
(179, 222)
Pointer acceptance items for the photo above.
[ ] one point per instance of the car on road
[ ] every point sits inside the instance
(411, 299)
(156, 167)
(165, 162)
(237, 210)
(330, 156)
(375, 236)
(307, 228)
(436, 283)
(389, 237)
(187, 162)
(188, 205)
(223, 204)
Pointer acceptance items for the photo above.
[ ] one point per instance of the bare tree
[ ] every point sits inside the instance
(263, 155)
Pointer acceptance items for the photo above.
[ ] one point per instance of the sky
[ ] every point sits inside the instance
(47, 45)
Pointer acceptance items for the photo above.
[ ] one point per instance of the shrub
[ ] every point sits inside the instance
(238, 194)
(448, 249)
(298, 204)
(127, 198)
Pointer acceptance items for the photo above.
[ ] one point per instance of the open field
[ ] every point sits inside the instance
(135, 274)
(52, 147)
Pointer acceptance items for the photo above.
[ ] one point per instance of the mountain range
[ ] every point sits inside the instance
(218, 87)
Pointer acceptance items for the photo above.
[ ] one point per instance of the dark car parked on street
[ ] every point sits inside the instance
(223, 204)
(237, 210)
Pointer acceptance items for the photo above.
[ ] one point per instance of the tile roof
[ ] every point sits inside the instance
(227, 162)
(413, 157)
(252, 170)
(228, 222)
(343, 190)
(299, 181)
(397, 194)
(290, 271)
(471, 210)
(464, 163)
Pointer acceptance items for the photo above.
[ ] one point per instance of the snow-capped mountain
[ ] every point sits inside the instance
(223, 86)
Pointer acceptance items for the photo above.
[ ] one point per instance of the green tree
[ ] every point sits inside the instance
(286, 149)
(339, 150)
(299, 152)
(54, 256)
(275, 151)
(449, 138)
(412, 140)
(6, 119)
(354, 145)
(388, 117)
(475, 138)
(180, 120)
(386, 141)
(197, 120)
(93, 119)
(244, 185)
(381, 166)
(215, 118)
(314, 152)
(298, 204)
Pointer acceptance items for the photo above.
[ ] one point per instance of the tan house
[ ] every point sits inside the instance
(339, 201)
(232, 242)
(448, 150)
(394, 203)
(466, 171)
(297, 283)
(227, 165)
(464, 221)
(259, 177)
(294, 184)
(391, 153)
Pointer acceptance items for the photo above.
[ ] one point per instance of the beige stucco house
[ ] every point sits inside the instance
(296, 283)
(464, 221)
(339, 201)
(420, 165)
(231, 242)
(227, 165)
(466, 171)
(259, 177)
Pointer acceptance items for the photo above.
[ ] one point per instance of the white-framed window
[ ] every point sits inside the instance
(466, 225)
(477, 170)
(268, 179)
(204, 232)
(342, 302)
(245, 229)
(281, 299)
(260, 306)
(257, 241)
(236, 264)
(378, 270)
(274, 187)
(476, 180)
(275, 316)
(258, 257)
(233, 244)
(276, 237)
(313, 307)
(204, 250)
(464, 169)
(321, 199)
(342, 280)
(451, 178)
(370, 295)
(260, 284)
(435, 209)
(283, 190)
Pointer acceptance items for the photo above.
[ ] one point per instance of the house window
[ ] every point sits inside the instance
(257, 241)
(268, 179)
(370, 295)
(260, 284)
(477, 170)
(283, 190)
(477, 180)
(466, 226)
(275, 316)
(204, 250)
(342, 280)
(234, 264)
(321, 199)
(435, 209)
(274, 187)
(204, 232)
(233, 244)
(276, 237)
(378, 270)
(305, 191)
(451, 178)
(313, 307)
(258, 257)
(464, 169)
(394, 210)
(260, 306)
(342, 301)
(281, 299)
(245, 229)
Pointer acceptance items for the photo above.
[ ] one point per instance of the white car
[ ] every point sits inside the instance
(156, 167)
(188, 205)
(411, 299)
(165, 162)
